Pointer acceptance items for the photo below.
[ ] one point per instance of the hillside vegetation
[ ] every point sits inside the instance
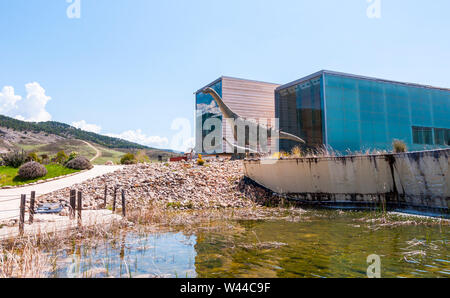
(49, 138)
(67, 131)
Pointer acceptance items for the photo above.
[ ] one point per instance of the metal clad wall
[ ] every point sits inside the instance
(249, 99)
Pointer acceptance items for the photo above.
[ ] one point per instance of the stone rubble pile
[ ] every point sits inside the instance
(183, 185)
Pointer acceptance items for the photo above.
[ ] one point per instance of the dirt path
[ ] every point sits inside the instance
(97, 155)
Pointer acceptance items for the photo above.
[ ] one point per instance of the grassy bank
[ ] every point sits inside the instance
(8, 175)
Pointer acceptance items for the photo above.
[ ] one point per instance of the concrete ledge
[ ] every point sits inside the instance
(418, 180)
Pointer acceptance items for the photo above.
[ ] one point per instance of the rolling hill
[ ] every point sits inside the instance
(51, 137)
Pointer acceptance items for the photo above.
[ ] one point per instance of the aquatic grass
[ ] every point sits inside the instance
(29, 257)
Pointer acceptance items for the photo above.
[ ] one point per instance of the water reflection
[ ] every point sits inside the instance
(324, 245)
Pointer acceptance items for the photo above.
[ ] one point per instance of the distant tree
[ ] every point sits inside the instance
(141, 157)
(128, 159)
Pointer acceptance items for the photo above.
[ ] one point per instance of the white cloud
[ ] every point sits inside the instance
(83, 125)
(212, 108)
(8, 100)
(137, 136)
(32, 108)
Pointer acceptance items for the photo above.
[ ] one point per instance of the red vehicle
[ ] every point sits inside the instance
(185, 157)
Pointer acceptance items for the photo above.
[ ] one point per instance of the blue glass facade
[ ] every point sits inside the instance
(361, 114)
(300, 111)
(207, 108)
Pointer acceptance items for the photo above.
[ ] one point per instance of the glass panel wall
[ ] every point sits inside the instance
(442, 136)
(365, 114)
(299, 109)
(207, 108)
(423, 136)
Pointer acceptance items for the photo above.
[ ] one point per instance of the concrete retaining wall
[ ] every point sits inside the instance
(416, 179)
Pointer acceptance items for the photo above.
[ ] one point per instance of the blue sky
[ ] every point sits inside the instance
(129, 68)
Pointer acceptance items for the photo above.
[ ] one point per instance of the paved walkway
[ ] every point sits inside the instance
(10, 198)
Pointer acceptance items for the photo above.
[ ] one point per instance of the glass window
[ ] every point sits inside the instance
(381, 111)
(207, 108)
(423, 135)
(442, 136)
(299, 109)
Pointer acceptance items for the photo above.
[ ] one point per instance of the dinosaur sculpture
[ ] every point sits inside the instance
(233, 118)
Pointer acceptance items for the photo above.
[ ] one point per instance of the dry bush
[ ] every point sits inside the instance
(14, 159)
(128, 159)
(200, 160)
(296, 152)
(79, 163)
(30, 262)
(399, 146)
(32, 170)
(141, 157)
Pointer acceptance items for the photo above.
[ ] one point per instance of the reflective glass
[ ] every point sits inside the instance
(206, 108)
(369, 114)
(299, 109)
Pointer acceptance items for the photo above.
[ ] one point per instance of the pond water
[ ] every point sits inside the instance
(325, 244)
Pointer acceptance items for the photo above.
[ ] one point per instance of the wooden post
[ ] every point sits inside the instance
(73, 196)
(23, 199)
(124, 209)
(106, 195)
(32, 211)
(79, 206)
(114, 200)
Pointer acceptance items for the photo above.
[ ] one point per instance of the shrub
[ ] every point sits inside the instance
(79, 163)
(32, 156)
(14, 159)
(200, 160)
(399, 146)
(45, 158)
(31, 170)
(72, 155)
(296, 152)
(61, 157)
(128, 159)
(141, 157)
